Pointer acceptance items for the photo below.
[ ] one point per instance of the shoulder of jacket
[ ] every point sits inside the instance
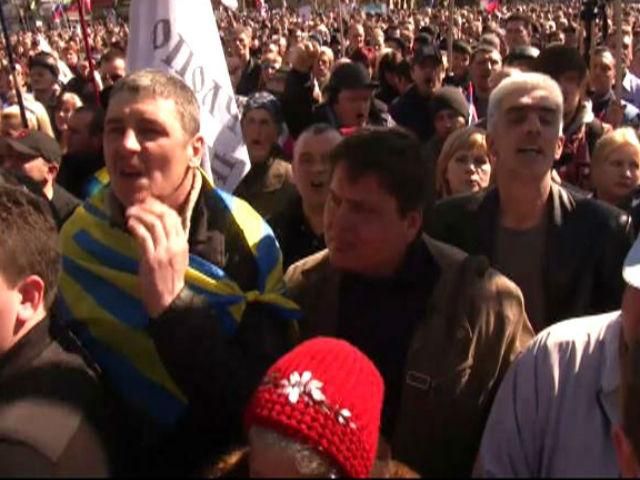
(22, 420)
(307, 268)
(597, 211)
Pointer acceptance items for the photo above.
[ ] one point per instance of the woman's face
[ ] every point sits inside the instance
(468, 170)
(63, 114)
(615, 177)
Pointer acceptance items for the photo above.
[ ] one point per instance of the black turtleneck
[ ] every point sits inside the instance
(379, 316)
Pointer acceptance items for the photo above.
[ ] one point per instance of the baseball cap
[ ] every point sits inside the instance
(422, 53)
(36, 144)
(350, 76)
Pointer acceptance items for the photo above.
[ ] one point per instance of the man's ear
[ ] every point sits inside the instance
(52, 170)
(32, 303)
(413, 222)
(196, 150)
(559, 147)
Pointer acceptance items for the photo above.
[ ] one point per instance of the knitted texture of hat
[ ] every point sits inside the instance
(327, 394)
(450, 98)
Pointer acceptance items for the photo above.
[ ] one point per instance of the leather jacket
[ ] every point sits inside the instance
(586, 243)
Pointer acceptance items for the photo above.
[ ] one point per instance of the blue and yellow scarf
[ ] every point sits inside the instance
(99, 298)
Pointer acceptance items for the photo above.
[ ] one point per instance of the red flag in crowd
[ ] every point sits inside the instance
(490, 6)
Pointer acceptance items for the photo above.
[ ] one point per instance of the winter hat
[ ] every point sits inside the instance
(450, 98)
(328, 395)
(267, 102)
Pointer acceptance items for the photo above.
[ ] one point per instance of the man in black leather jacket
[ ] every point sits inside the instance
(563, 250)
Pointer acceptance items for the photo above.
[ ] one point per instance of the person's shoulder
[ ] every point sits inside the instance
(580, 335)
(595, 211)
(308, 270)
(57, 389)
(468, 202)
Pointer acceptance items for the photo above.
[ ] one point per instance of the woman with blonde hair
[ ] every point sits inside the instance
(615, 167)
(463, 165)
(11, 121)
(67, 104)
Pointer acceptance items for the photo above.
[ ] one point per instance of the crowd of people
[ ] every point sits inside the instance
(431, 269)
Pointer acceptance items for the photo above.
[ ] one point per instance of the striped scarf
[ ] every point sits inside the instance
(100, 302)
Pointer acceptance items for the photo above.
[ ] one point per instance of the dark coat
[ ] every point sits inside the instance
(268, 187)
(586, 243)
(216, 372)
(250, 78)
(474, 327)
(412, 111)
(52, 412)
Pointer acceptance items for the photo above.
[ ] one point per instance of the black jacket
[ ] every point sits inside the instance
(586, 243)
(76, 170)
(217, 372)
(63, 204)
(250, 78)
(411, 110)
(52, 412)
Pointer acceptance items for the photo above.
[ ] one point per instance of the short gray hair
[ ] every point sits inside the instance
(522, 81)
(159, 84)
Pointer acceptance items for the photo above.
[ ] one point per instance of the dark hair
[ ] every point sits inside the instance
(556, 60)
(519, 17)
(393, 156)
(96, 125)
(404, 70)
(29, 240)
(112, 54)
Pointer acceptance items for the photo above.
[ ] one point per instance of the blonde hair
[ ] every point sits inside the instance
(72, 97)
(12, 114)
(462, 139)
(612, 141)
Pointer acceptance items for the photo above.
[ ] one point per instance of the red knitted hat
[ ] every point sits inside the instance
(327, 394)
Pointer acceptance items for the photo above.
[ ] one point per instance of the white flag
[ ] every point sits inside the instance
(232, 4)
(181, 37)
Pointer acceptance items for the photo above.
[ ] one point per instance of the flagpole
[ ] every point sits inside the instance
(342, 45)
(87, 47)
(452, 4)
(23, 112)
(620, 67)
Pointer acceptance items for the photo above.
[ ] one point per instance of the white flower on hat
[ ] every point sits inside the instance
(298, 384)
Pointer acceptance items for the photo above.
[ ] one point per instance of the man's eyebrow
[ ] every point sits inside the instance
(524, 108)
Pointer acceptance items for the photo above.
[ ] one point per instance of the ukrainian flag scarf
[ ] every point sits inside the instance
(101, 304)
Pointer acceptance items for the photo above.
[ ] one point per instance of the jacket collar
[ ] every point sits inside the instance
(26, 350)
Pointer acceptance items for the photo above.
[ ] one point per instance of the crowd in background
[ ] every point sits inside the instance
(431, 268)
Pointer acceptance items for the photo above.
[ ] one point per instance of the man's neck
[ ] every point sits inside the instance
(314, 214)
(523, 203)
(47, 189)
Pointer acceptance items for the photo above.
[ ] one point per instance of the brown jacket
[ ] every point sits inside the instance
(268, 187)
(474, 328)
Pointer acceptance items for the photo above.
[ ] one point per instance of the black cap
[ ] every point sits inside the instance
(423, 53)
(350, 76)
(461, 46)
(450, 98)
(45, 60)
(36, 144)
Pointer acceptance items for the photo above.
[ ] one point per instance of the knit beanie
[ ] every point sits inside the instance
(450, 98)
(267, 102)
(328, 395)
